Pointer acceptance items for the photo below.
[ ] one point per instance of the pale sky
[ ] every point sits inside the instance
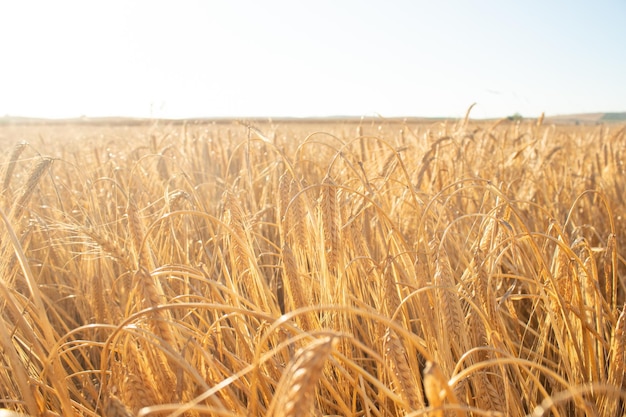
(250, 58)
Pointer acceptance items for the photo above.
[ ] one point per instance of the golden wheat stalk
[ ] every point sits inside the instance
(292, 284)
(97, 299)
(402, 375)
(610, 273)
(450, 312)
(33, 179)
(238, 224)
(331, 221)
(137, 235)
(290, 270)
(482, 294)
(109, 246)
(488, 236)
(489, 396)
(284, 196)
(8, 175)
(294, 395)
(540, 119)
(162, 168)
(562, 274)
(151, 298)
(298, 215)
(357, 238)
(390, 297)
(137, 392)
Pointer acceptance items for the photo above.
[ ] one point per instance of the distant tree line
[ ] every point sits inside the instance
(614, 116)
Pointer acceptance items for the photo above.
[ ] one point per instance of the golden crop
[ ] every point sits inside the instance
(373, 268)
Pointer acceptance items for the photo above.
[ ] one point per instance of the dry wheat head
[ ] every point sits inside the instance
(294, 394)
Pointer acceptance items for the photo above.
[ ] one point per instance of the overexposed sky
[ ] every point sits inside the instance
(311, 58)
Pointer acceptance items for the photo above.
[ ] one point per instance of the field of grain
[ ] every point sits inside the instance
(345, 268)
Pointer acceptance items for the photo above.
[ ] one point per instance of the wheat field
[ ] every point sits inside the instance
(347, 268)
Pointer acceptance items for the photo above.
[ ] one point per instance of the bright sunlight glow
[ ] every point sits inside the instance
(304, 58)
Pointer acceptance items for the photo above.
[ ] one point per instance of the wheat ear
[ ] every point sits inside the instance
(150, 298)
(298, 214)
(401, 373)
(610, 274)
(451, 317)
(109, 247)
(293, 286)
(97, 299)
(391, 299)
(137, 394)
(330, 215)
(31, 183)
(238, 224)
(540, 119)
(488, 397)
(284, 196)
(295, 391)
(135, 228)
(17, 151)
